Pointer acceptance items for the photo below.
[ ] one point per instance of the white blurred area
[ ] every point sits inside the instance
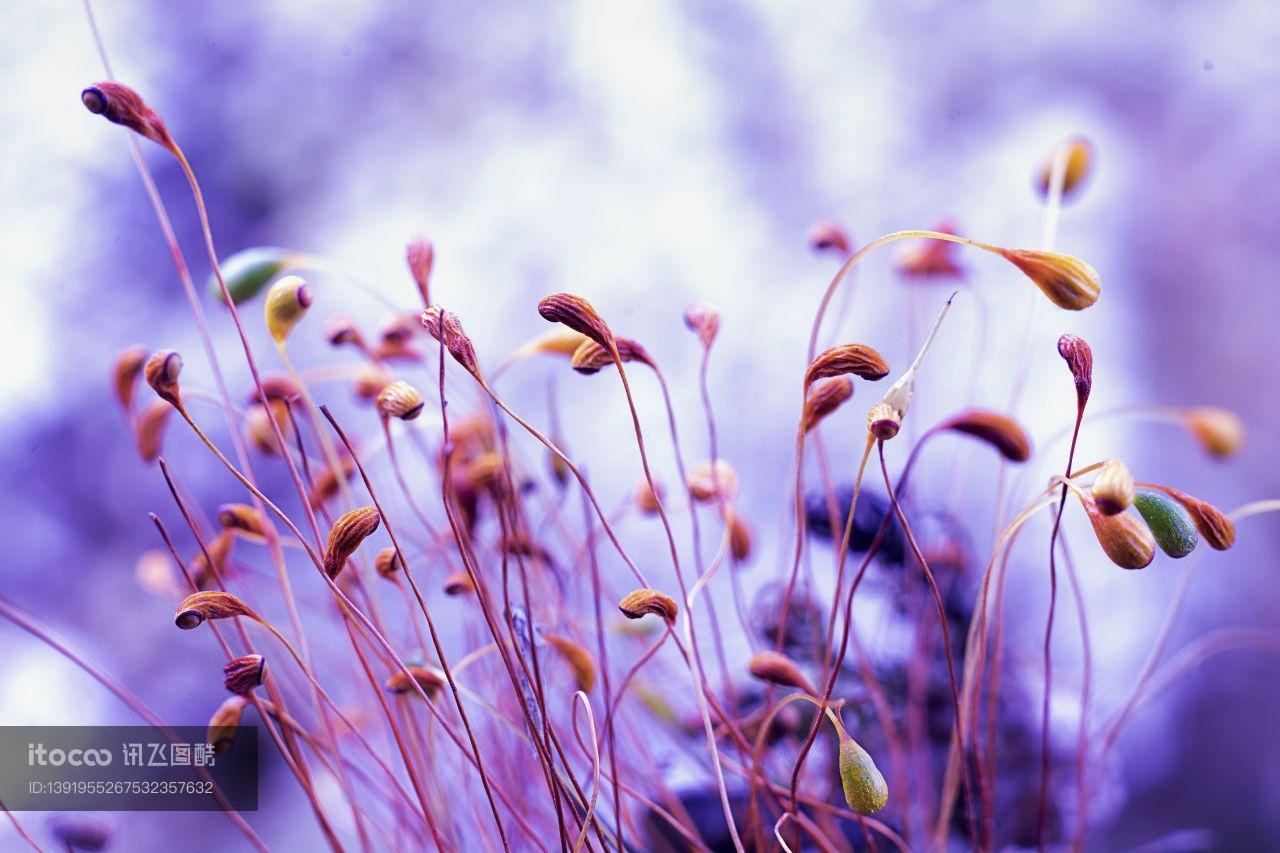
(647, 154)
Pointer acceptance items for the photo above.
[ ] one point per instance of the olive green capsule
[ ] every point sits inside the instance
(248, 272)
(864, 787)
(1171, 525)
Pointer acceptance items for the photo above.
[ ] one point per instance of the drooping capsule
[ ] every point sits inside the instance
(864, 787)
(1219, 431)
(1171, 525)
(287, 303)
(249, 271)
(1127, 542)
(1069, 282)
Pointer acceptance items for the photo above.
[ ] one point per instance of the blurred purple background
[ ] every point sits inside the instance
(648, 154)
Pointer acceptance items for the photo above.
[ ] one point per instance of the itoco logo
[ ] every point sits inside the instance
(38, 755)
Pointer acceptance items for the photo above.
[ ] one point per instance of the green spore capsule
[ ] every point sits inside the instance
(864, 787)
(1170, 524)
(248, 272)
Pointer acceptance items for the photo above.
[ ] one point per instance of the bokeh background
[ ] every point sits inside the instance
(647, 154)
